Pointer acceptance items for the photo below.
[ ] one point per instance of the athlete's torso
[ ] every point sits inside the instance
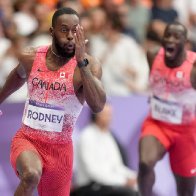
(173, 98)
(52, 106)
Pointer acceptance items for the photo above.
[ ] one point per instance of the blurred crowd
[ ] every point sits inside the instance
(118, 32)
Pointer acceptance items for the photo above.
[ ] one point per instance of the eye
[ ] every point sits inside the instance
(74, 30)
(177, 36)
(63, 30)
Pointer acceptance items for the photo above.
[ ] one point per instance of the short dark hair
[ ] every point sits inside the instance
(61, 11)
(177, 23)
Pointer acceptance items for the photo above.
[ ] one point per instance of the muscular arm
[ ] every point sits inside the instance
(193, 75)
(93, 90)
(18, 75)
(13, 83)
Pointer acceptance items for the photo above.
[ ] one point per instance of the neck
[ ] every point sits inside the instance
(57, 55)
(58, 59)
(177, 61)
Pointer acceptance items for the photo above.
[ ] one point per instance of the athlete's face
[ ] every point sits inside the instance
(63, 34)
(174, 40)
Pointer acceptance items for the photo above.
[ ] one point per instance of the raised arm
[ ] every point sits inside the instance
(93, 90)
(18, 75)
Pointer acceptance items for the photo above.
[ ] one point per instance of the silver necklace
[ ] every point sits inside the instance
(56, 54)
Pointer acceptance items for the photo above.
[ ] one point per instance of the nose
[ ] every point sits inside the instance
(171, 39)
(70, 36)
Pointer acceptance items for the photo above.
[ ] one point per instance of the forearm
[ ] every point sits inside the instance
(93, 90)
(13, 82)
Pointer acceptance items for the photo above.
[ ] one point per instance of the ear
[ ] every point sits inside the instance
(51, 31)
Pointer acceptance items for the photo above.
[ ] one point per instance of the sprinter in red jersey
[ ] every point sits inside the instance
(171, 124)
(60, 78)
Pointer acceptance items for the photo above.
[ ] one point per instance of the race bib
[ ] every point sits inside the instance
(44, 116)
(166, 111)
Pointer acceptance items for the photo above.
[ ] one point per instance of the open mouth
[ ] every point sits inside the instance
(69, 48)
(170, 51)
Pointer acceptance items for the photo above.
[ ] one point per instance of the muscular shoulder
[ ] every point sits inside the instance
(27, 55)
(151, 54)
(94, 66)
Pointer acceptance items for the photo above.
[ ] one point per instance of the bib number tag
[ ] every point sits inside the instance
(166, 111)
(43, 116)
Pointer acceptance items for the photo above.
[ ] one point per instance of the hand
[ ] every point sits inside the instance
(79, 44)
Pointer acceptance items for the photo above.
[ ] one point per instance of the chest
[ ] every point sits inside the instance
(66, 73)
(48, 81)
(176, 79)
